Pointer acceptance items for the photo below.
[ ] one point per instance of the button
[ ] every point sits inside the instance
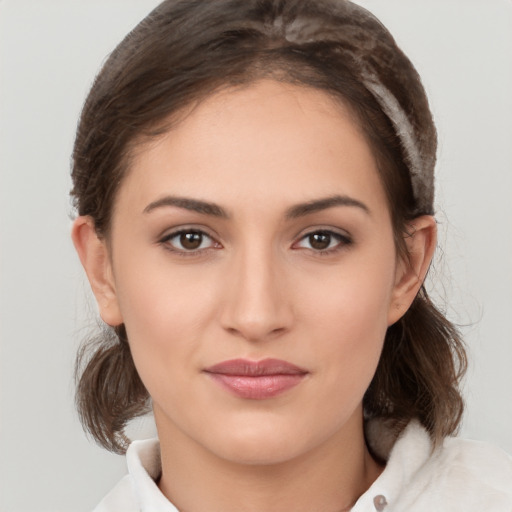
(380, 503)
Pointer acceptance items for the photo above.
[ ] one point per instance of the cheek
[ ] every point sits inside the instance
(155, 292)
(355, 298)
(348, 318)
(165, 309)
(354, 337)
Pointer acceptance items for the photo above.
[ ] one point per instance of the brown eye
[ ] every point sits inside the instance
(320, 241)
(191, 241)
(323, 241)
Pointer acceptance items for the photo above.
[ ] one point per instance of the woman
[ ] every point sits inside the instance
(254, 183)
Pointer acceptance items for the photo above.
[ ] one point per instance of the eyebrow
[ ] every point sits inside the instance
(194, 205)
(300, 210)
(296, 211)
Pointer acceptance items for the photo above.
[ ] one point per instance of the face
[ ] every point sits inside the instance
(252, 261)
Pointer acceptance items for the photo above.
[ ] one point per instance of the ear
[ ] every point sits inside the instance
(420, 239)
(93, 253)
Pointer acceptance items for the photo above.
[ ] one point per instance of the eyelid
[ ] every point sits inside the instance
(344, 239)
(185, 228)
(321, 228)
(169, 234)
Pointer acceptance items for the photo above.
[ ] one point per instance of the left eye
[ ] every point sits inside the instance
(189, 241)
(323, 241)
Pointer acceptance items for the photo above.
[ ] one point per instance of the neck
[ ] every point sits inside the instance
(328, 478)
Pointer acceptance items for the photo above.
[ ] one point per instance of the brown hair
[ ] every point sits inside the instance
(187, 49)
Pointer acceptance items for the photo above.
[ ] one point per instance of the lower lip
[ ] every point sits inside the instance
(259, 387)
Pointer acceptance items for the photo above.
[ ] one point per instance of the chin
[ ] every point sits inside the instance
(264, 443)
(260, 451)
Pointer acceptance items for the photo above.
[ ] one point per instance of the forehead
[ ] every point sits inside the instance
(267, 140)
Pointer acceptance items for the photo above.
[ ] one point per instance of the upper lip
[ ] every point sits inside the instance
(248, 368)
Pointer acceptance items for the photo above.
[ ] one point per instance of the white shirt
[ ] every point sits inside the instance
(459, 476)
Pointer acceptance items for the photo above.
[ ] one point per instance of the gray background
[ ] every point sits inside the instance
(50, 51)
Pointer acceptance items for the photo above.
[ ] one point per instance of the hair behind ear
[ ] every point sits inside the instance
(109, 392)
(419, 372)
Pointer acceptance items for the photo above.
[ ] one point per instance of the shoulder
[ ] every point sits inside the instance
(474, 475)
(458, 475)
(477, 461)
(138, 490)
(121, 497)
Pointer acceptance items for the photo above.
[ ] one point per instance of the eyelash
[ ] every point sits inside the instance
(343, 241)
(166, 242)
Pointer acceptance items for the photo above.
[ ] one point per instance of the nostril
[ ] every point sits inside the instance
(256, 333)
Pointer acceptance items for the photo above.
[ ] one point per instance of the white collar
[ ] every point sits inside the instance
(144, 467)
(408, 455)
(405, 458)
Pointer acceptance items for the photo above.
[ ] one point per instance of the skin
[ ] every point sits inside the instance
(257, 287)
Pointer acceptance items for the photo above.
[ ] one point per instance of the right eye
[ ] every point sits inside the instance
(323, 241)
(189, 241)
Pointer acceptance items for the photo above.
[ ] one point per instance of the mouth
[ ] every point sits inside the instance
(256, 380)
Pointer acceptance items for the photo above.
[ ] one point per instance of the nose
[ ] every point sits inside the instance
(257, 303)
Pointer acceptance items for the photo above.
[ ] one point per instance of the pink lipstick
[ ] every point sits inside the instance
(256, 380)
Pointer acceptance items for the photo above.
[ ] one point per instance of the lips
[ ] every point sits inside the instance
(256, 380)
